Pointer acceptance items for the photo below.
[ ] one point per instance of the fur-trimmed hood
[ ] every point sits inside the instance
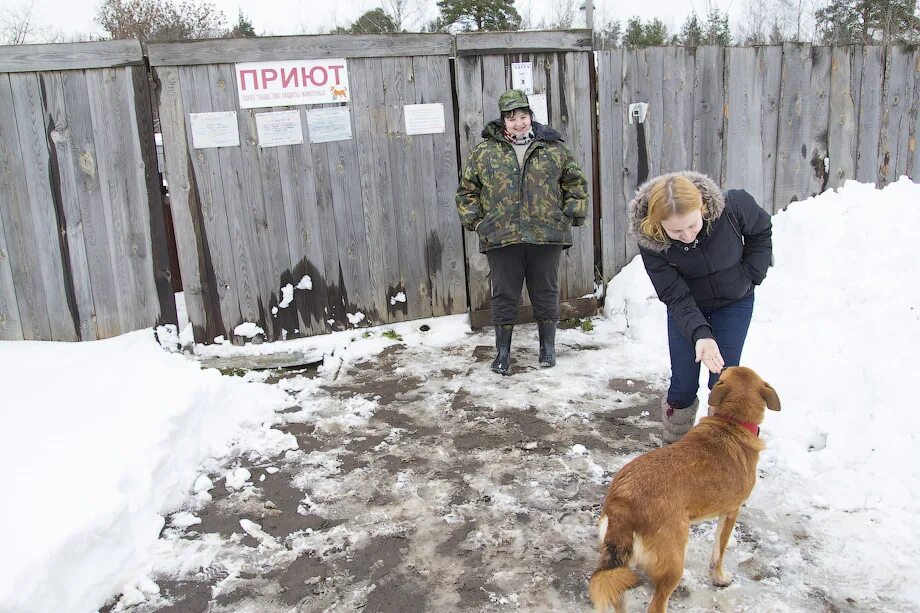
(496, 129)
(637, 209)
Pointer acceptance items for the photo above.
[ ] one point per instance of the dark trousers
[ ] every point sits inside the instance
(729, 327)
(510, 266)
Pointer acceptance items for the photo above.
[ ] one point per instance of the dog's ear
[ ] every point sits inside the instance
(769, 396)
(717, 394)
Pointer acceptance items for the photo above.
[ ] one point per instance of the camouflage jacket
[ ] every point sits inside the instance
(507, 207)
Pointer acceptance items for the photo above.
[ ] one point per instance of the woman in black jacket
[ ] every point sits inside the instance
(704, 252)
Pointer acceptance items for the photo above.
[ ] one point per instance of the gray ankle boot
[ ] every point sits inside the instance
(677, 422)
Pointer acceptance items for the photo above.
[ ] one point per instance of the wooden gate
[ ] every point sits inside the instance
(82, 243)
(370, 219)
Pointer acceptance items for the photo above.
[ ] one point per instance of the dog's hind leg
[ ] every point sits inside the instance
(723, 532)
(664, 563)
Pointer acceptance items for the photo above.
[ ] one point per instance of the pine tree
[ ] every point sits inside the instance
(478, 15)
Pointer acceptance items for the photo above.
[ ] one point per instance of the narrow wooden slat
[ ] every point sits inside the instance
(277, 48)
(411, 215)
(708, 112)
(253, 238)
(913, 164)
(792, 156)
(198, 282)
(846, 65)
(896, 105)
(46, 207)
(159, 282)
(869, 121)
(677, 109)
(212, 210)
(609, 155)
(484, 43)
(64, 151)
(10, 324)
(817, 139)
(446, 242)
(381, 226)
(743, 139)
(770, 66)
(22, 245)
(72, 56)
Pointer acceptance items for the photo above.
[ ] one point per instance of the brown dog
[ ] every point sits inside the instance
(646, 517)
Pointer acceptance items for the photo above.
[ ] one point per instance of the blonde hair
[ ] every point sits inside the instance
(674, 195)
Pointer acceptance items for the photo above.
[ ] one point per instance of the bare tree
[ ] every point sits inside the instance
(562, 15)
(406, 14)
(17, 24)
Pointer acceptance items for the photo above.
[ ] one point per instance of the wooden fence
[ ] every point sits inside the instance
(82, 244)
(783, 122)
(562, 71)
(371, 220)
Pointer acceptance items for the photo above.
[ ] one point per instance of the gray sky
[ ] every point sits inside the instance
(75, 17)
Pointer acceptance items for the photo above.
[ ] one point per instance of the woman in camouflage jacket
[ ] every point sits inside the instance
(522, 192)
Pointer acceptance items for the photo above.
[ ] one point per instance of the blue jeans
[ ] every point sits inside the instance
(729, 327)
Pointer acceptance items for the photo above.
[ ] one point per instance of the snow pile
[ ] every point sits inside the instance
(100, 440)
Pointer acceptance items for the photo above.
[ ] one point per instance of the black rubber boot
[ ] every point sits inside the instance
(503, 344)
(547, 328)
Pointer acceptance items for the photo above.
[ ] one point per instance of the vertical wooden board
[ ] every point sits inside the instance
(570, 281)
(708, 111)
(445, 251)
(843, 113)
(610, 162)
(396, 83)
(212, 211)
(636, 88)
(869, 121)
(382, 229)
(10, 324)
(817, 143)
(106, 101)
(303, 229)
(654, 123)
(792, 152)
(43, 190)
(22, 244)
(913, 164)
(353, 248)
(334, 311)
(586, 119)
(374, 238)
(255, 215)
(770, 64)
(676, 107)
(468, 75)
(105, 316)
(896, 106)
(412, 219)
(125, 180)
(198, 280)
(446, 242)
(159, 283)
(743, 139)
(63, 153)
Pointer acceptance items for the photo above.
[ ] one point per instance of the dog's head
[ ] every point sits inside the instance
(742, 394)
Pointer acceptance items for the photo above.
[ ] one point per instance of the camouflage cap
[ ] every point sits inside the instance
(512, 99)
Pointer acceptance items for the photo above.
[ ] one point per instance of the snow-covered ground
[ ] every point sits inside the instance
(102, 440)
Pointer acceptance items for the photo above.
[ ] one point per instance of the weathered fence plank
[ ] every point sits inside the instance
(846, 71)
(709, 111)
(45, 206)
(72, 56)
(610, 160)
(10, 324)
(22, 244)
(896, 108)
(869, 120)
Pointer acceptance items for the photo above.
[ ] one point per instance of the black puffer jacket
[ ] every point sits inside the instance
(716, 269)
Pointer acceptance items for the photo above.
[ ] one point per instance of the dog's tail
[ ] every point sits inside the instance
(613, 576)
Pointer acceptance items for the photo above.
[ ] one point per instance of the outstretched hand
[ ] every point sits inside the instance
(707, 352)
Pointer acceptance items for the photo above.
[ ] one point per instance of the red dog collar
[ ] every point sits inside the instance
(752, 428)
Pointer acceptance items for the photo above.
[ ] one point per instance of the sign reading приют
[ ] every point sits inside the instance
(291, 83)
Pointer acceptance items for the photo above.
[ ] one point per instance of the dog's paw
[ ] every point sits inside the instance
(720, 578)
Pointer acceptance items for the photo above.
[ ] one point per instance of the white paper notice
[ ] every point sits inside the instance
(424, 118)
(214, 130)
(279, 128)
(522, 76)
(538, 106)
(329, 124)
